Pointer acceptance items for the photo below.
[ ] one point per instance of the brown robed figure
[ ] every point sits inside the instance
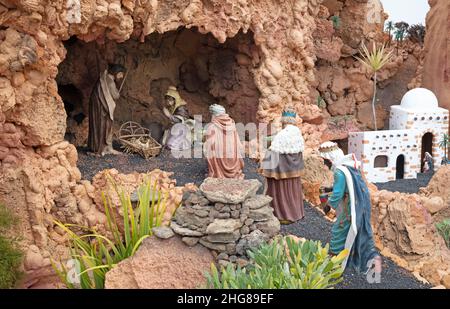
(102, 104)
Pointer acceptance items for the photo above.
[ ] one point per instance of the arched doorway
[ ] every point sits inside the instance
(427, 146)
(400, 167)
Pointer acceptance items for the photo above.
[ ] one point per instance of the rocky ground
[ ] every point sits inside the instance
(314, 226)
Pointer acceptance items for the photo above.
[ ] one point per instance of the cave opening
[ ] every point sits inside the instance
(204, 71)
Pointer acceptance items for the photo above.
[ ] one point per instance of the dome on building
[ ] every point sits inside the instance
(419, 99)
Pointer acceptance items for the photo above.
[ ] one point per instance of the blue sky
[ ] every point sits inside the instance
(410, 11)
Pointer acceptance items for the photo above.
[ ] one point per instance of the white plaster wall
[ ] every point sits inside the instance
(434, 120)
(391, 143)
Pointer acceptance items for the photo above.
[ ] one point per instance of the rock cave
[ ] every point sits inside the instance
(204, 71)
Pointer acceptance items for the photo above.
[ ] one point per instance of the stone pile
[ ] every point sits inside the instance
(226, 216)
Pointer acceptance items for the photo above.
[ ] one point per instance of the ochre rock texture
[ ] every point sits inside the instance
(343, 88)
(404, 227)
(252, 56)
(314, 176)
(266, 46)
(162, 264)
(281, 35)
(111, 183)
(436, 67)
(204, 71)
(438, 185)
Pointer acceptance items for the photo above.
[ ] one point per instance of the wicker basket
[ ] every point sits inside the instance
(136, 139)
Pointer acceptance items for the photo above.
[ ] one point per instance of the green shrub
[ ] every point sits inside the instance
(321, 102)
(10, 255)
(282, 264)
(96, 254)
(7, 219)
(444, 229)
(336, 22)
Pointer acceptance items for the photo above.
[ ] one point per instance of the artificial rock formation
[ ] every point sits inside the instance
(343, 88)
(314, 176)
(226, 216)
(162, 264)
(279, 51)
(404, 227)
(204, 71)
(436, 66)
(106, 181)
(38, 174)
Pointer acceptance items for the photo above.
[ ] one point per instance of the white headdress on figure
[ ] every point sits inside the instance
(217, 109)
(332, 152)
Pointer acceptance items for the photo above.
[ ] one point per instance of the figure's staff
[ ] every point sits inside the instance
(124, 79)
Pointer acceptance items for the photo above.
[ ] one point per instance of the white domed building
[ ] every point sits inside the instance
(415, 126)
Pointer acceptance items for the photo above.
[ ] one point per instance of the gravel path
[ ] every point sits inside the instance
(185, 170)
(406, 185)
(313, 226)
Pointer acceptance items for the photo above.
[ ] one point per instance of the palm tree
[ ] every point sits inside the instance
(402, 29)
(401, 25)
(374, 61)
(416, 33)
(399, 35)
(389, 29)
(445, 144)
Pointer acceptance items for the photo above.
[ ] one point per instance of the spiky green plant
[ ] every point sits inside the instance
(445, 144)
(444, 229)
(282, 264)
(96, 254)
(374, 60)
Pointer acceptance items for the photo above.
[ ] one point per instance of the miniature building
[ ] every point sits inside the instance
(415, 127)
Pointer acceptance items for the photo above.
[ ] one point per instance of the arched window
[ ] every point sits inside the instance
(380, 161)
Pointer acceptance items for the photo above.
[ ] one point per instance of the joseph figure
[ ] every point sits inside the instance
(102, 104)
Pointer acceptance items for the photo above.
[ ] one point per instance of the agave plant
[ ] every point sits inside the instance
(444, 229)
(282, 264)
(374, 61)
(95, 254)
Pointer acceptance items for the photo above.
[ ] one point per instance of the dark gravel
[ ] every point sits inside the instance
(185, 170)
(406, 185)
(313, 226)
